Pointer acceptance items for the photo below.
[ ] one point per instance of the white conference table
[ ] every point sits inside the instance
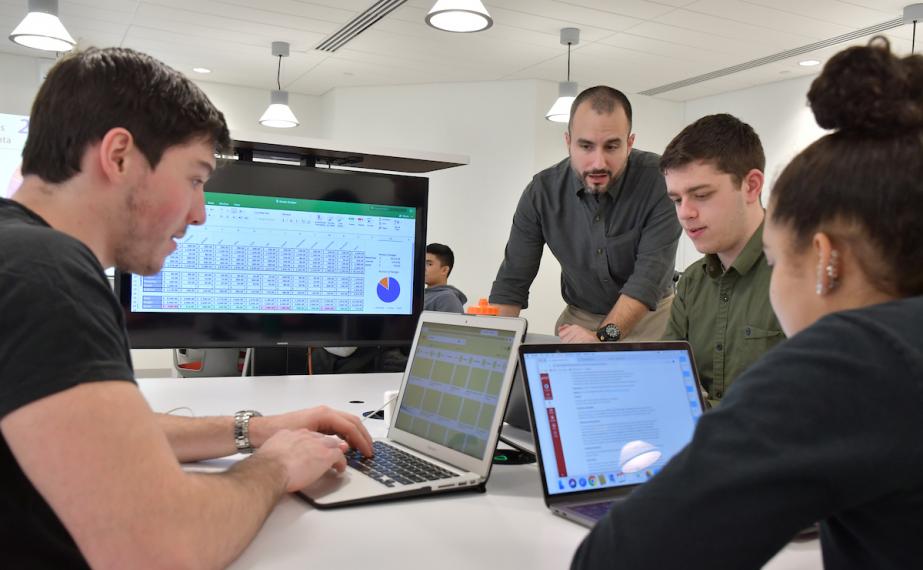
(506, 527)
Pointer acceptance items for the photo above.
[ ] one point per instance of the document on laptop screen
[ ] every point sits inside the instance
(456, 375)
(609, 419)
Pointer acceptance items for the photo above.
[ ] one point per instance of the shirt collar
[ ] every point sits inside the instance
(749, 255)
(5, 202)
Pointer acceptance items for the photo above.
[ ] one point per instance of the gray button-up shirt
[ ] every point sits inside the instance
(623, 242)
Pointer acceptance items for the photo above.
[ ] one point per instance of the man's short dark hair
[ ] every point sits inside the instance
(603, 99)
(723, 140)
(443, 253)
(91, 92)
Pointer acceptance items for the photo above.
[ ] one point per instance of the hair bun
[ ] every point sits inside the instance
(868, 90)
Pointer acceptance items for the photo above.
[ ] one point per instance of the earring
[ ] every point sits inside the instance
(820, 279)
(833, 269)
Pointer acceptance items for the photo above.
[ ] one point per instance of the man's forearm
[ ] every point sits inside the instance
(237, 502)
(116, 486)
(195, 439)
(626, 313)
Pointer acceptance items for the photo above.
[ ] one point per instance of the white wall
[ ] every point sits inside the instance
(21, 79)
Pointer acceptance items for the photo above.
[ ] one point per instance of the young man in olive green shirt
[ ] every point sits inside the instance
(714, 174)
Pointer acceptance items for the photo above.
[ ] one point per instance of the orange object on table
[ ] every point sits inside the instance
(483, 308)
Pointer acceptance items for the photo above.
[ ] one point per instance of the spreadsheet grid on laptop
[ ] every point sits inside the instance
(448, 414)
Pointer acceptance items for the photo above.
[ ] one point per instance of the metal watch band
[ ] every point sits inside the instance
(242, 430)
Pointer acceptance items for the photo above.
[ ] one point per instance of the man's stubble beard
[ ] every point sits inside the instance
(129, 253)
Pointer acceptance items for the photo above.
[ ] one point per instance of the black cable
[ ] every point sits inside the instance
(568, 61)
(913, 42)
(279, 74)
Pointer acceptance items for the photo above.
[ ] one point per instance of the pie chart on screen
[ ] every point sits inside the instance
(388, 289)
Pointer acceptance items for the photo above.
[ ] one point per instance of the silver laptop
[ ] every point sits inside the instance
(606, 417)
(447, 416)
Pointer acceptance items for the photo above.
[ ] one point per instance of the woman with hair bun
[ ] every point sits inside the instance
(827, 426)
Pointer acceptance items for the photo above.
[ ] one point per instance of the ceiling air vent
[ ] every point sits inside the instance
(776, 57)
(359, 24)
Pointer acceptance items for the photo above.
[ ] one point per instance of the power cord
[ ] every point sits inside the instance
(383, 406)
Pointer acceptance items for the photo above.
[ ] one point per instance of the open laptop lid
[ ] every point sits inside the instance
(456, 386)
(607, 416)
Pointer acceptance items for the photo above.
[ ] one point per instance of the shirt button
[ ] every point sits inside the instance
(599, 251)
(719, 347)
(748, 331)
(596, 219)
(724, 298)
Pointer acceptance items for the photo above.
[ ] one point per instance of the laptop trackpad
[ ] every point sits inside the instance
(349, 485)
(329, 483)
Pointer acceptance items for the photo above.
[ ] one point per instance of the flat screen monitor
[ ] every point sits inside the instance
(289, 256)
(13, 132)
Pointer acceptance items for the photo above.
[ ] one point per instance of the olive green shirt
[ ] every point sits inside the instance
(725, 315)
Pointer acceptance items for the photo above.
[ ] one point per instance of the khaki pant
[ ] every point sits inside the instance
(650, 327)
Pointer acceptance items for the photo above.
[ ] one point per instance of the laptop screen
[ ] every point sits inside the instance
(451, 394)
(610, 418)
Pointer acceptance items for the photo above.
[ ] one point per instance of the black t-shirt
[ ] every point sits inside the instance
(825, 427)
(60, 326)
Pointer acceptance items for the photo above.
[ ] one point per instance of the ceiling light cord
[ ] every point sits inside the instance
(279, 74)
(278, 114)
(913, 41)
(568, 60)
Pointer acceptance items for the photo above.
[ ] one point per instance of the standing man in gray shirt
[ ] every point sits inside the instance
(605, 215)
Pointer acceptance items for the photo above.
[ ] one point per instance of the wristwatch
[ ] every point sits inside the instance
(608, 333)
(242, 430)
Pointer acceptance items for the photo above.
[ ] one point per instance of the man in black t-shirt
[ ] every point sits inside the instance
(118, 151)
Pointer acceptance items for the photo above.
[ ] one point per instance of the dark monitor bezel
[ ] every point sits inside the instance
(225, 330)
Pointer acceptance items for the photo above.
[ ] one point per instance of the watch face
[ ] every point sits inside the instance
(609, 332)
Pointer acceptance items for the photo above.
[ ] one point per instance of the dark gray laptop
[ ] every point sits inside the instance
(606, 417)
(517, 431)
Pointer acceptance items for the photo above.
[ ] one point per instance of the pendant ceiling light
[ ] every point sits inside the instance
(278, 115)
(41, 28)
(913, 13)
(459, 16)
(567, 90)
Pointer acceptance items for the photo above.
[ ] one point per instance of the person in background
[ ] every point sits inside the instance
(439, 295)
(605, 215)
(119, 149)
(714, 173)
(826, 426)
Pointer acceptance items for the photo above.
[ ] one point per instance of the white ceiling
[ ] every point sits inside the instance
(633, 45)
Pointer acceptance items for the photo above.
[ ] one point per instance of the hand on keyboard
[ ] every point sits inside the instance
(391, 466)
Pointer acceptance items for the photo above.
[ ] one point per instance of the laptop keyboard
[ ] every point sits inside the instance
(392, 466)
(594, 511)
